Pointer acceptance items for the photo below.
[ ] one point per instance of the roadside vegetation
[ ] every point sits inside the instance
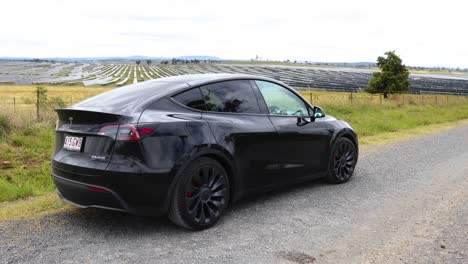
(372, 120)
(26, 143)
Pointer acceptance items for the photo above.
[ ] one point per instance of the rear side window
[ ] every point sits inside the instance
(191, 98)
(230, 96)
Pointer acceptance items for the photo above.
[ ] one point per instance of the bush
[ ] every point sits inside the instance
(41, 92)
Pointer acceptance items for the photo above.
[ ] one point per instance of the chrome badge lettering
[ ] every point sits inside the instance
(94, 157)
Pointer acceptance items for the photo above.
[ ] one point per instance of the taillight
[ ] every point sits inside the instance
(128, 133)
(125, 132)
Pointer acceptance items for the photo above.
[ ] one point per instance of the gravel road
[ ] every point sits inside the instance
(407, 203)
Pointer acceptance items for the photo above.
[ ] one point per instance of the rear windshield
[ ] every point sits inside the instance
(131, 95)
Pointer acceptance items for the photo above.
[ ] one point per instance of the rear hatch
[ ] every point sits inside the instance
(87, 131)
(84, 142)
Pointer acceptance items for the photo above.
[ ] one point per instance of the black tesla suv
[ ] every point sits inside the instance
(189, 146)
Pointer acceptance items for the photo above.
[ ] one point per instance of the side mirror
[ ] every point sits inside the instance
(318, 112)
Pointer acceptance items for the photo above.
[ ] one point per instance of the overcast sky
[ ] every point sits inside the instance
(426, 33)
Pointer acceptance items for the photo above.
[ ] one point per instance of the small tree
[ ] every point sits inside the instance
(393, 77)
(138, 62)
(148, 62)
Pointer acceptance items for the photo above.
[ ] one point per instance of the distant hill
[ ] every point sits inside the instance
(129, 58)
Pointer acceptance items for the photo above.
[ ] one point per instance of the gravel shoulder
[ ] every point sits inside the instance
(405, 204)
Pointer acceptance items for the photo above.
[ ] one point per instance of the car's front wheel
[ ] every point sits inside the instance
(201, 195)
(343, 161)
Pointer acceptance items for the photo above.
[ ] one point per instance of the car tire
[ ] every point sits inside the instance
(342, 161)
(201, 195)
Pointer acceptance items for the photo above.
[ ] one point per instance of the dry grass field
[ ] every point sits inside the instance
(24, 97)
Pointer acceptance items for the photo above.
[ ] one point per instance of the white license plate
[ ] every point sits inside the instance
(73, 143)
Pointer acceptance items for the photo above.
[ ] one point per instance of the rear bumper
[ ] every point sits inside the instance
(80, 195)
(98, 191)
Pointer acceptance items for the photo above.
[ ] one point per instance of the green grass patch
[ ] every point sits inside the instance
(25, 153)
(370, 120)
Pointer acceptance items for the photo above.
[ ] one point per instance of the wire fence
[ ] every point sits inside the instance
(344, 98)
(33, 103)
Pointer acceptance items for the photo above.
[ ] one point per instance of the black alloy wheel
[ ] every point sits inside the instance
(344, 158)
(201, 196)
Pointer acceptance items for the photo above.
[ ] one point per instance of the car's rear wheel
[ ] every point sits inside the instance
(343, 161)
(201, 195)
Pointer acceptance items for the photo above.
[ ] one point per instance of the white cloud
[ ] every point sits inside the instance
(427, 33)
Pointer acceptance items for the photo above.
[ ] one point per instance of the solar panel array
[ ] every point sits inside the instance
(305, 77)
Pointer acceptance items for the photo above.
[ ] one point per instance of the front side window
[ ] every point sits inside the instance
(281, 101)
(231, 97)
(191, 98)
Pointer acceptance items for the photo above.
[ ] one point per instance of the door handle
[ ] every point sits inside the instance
(301, 121)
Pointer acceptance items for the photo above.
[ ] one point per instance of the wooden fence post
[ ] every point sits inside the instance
(37, 104)
(14, 104)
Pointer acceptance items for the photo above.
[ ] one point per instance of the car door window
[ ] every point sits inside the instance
(281, 101)
(230, 96)
(191, 98)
